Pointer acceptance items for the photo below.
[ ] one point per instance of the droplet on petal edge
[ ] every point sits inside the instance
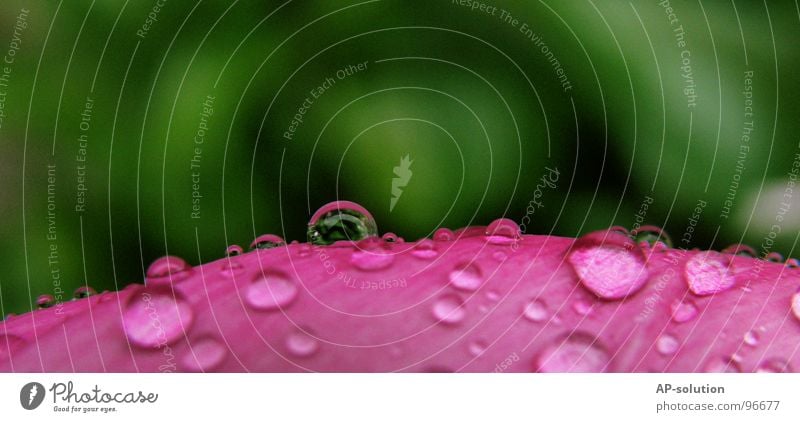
(341, 220)
(609, 264)
(707, 273)
(651, 236)
(154, 318)
(267, 241)
(503, 231)
(167, 269)
(449, 309)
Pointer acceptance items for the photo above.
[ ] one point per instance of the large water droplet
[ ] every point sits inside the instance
(233, 250)
(443, 235)
(740, 249)
(652, 237)
(152, 319)
(83, 292)
(774, 365)
(667, 344)
(536, 311)
(449, 309)
(580, 352)
(267, 241)
(167, 269)
(609, 264)
(466, 276)
(270, 291)
(370, 255)
(774, 257)
(45, 301)
(301, 344)
(722, 365)
(683, 311)
(502, 232)
(341, 220)
(206, 354)
(751, 338)
(425, 249)
(707, 273)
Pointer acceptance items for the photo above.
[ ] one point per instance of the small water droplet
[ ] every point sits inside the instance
(620, 229)
(443, 235)
(579, 352)
(740, 249)
(476, 348)
(582, 307)
(667, 344)
(492, 295)
(154, 318)
(449, 309)
(231, 269)
(707, 273)
(608, 264)
(45, 301)
(652, 236)
(751, 338)
(774, 257)
(683, 311)
(389, 237)
(502, 232)
(425, 249)
(466, 276)
(83, 292)
(301, 344)
(267, 241)
(776, 365)
(536, 311)
(205, 355)
(793, 263)
(270, 291)
(722, 365)
(167, 269)
(796, 305)
(371, 256)
(233, 250)
(341, 220)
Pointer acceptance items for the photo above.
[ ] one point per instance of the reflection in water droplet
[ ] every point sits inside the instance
(167, 269)
(579, 352)
(751, 338)
(233, 250)
(536, 311)
(301, 344)
(466, 276)
(267, 241)
(425, 249)
(45, 301)
(652, 237)
(389, 237)
(341, 220)
(83, 292)
(271, 291)
(443, 235)
(741, 250)
(502, 232)
(449, 309)
(667, 344)
(152, 319)
(608, 264)
(707, 273)
(683, 311)
(793, 263)
(774, 257)
(205, 355)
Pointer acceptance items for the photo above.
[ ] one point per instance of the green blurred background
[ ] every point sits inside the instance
(483, 98)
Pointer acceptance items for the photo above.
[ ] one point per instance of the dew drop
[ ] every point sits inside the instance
(536, 311)
(740, 249)
(152, 319)
(341, 220)
(751, 338)
(45, 301)
(231, 269)
(389, 237)
(492, 295)
(579, 352)
(722, 365)
(683, 311)
(371, 256)
(620, 229)
(793, 263)
(425, 249)
(205, 355)
(707, 273)
(83, 292)
(607, 264)
(301, 344)
(233, 250)
(502, 232)
(267, 241)
(166, 270)
(270, 291)
(652, 237)
(466, 277)
(443, 235)
(449, 309)
(582, 307)
(774, 365)
(476, 348)
(667, 344)
(774, 257)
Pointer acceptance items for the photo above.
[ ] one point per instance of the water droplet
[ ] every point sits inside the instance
(740, 250)
(707, 273)
(466, 276)
(83, 292)
(371, 256)
(652, 237)
(667, 344)
(45, 301)
(492, 295)
(774, 365)
(425, 249)
(443, 235)
(167, 269)
(536, 311)
(152, 319)
(233, 250)
(683, 311)
(751, 338)
(796, 305)
(301, 344)
(620, 229)
(582, 307)
(389, 237)
(502, 232)
(580, 352)
(341, 220)
(793, 263)
(206, 354)
(267, 241)
(722, 365)
(231, 269)
(609, 264)
(774, 257)
(449, 309)
(270, 291)
(476, 348)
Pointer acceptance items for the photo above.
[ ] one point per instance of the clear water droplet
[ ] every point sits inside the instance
(652, 237)
(167, 269)
(707, 273)
(579, 352)
(536, 311)
(466, 276)
(740, 249)
(449, 309)
(443, 235)
(370, 255)
(620, 229)
(270, 291)
(425, 249)
(476, 348)
(341, 220)
(389, 237)
(45, 301)
(582, 307)
(267, 241)
(608, 264)
(233, 250)
(722, 365)
(301, 344)
(793, 263)
(205, 355)
(83, 292)
(683, 311)
(502, 231)
(667, 344)
(152, 319)
(751, 338)
(775, 365)
(774, 257)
